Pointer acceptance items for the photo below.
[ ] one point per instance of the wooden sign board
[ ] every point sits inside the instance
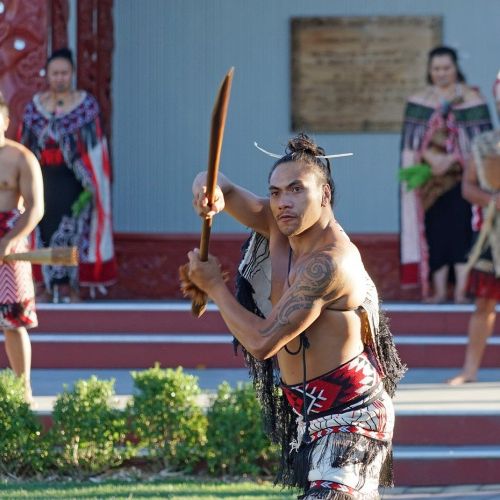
(354, 74)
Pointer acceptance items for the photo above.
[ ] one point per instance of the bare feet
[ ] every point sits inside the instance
(28, 395)
(462, 300)
(460, 379)
(44, 296)
(435, 299)
(73, 297)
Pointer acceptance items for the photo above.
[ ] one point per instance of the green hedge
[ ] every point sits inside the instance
(87, 434)
(165, 423)
(23, 452)
(237, 443)
(167, 418)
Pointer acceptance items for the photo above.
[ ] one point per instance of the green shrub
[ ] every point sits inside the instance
(88, 435)
(22, 449)
(237, 443)
(166, 417)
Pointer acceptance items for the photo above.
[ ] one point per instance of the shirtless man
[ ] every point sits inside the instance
(21, 208)
(484, 277)
(319, 325)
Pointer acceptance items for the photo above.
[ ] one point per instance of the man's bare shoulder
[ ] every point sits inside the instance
(345, 254)
(16, 148)
(331, 262)
(19, 153)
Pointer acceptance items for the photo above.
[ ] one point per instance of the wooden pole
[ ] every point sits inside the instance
(217, 125)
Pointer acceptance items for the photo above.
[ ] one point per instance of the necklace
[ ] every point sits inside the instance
(59, 104)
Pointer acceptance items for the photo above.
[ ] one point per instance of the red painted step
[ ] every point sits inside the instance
(446, 471)
(127, 317)
(210, 350)
(143, 351)
(135, 335)
(405, 319)
(131, 355)
(447, 429)
(444, 355)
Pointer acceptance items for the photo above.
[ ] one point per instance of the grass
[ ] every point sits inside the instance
(173, 490)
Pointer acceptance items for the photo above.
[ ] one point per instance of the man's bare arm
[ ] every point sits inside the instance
(317, 284)
(31, 190)
(471, 190)
(246, 207)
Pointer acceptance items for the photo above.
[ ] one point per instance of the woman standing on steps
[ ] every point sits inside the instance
(440, 123)
(62, 127)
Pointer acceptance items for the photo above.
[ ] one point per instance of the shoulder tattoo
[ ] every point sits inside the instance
(313, 281)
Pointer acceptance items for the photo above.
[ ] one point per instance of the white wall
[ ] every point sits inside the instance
(170, 56)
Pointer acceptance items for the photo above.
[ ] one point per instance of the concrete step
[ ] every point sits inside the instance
(211, 350)
(442, 351)
(138, 334)
(441, 319)
(175, 316)
(426, 411)
(436, 414)
(438, 466)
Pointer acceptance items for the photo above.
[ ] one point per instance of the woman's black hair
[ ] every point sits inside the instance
(63, 53)
(303, 148)
(444, 51)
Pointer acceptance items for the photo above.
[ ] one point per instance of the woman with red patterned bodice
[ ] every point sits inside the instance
(62, 127)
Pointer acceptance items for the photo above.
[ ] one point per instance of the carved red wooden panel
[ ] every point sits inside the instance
(94, 53)
(23, 42)
(59, 15)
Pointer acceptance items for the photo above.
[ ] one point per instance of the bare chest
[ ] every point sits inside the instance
(279, 264)
(9, 173)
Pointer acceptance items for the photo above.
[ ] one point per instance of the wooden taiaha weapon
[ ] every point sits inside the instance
(218, 122)
(57, 256)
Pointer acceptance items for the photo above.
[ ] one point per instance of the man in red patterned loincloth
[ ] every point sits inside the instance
(21, 208)
(316, 317)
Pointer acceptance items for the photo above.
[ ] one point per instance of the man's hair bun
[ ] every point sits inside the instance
(302, 143)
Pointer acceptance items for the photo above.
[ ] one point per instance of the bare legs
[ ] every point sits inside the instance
(461, 275)
(481, 326)
(18, 348)
(439, 281)
(60, 293)
(440, 285)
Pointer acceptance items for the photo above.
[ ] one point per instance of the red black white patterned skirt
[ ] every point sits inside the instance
(349, 431)
(482, 281)
(17, 296)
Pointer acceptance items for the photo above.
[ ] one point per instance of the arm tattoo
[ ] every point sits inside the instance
(315, 278)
